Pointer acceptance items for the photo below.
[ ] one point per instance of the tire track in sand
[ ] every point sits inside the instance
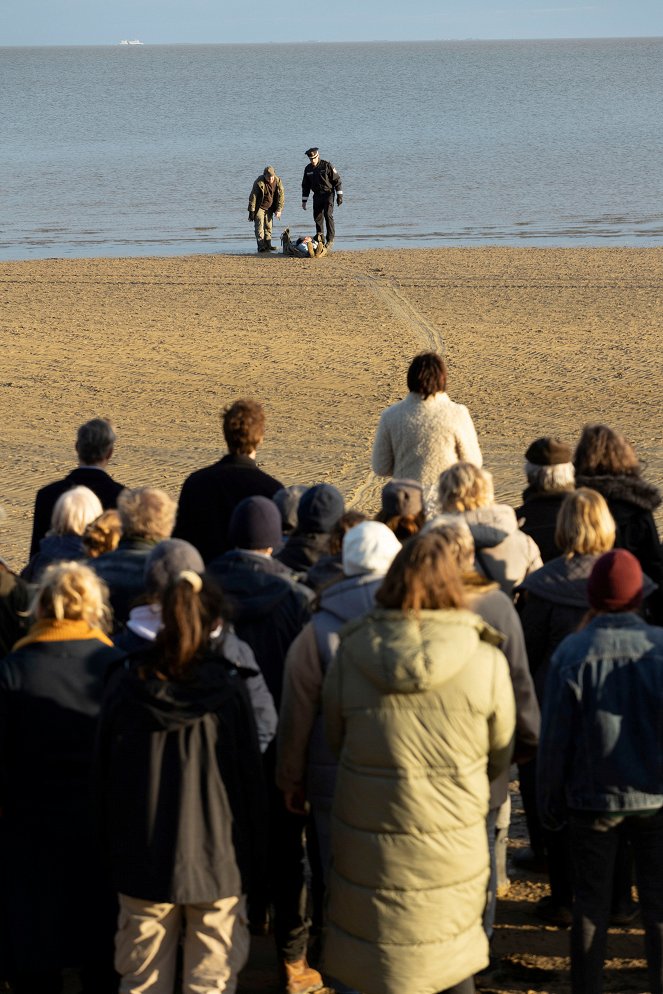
(367, 492)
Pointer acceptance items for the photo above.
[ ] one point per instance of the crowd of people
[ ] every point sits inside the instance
(259, 710)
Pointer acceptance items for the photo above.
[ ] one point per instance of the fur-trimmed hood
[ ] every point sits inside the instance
(632, 489)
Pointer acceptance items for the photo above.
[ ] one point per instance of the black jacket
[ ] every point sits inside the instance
(537, 517)
(180, 784)
(123, 571)
(210, 495)
(50, 863)
(322, 179)
(97, 480)
(632, 502)
(14, 600)
(269, 608)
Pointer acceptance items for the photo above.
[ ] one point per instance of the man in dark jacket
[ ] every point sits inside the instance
(323, 179)
(270, 609)
(266, 202)
(210, 495)
(320, 507)
(94, 447)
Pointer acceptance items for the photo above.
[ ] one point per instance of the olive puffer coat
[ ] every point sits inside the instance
(421, 711)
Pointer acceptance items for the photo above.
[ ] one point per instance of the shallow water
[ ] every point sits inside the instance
(152, 150)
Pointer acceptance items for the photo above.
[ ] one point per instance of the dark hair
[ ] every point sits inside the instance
(403, 526)
(423, 576)
(347, 521)
(243, 426)
(602, 451)
(94, 441)
(427, 374)
(189, 616)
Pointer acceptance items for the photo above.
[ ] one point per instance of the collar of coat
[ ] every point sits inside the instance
(66, 630)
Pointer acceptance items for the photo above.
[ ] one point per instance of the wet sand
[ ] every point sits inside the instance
(537, 341)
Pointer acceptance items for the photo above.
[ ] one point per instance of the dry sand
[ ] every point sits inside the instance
(538, 341)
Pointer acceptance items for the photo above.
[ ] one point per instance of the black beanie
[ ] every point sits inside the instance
(255, 524)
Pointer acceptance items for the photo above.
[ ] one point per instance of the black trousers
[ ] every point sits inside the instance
(323, 211)
(595, 841)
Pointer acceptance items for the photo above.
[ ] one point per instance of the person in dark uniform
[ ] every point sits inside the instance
(322, 178)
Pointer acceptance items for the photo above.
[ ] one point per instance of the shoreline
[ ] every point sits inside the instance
(538, 340)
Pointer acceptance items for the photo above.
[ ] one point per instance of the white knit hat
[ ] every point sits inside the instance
(369, 547)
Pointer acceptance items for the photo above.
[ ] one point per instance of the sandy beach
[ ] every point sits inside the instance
(537, 341)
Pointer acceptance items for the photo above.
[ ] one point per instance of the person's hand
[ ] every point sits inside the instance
(303, 205)
(295, 801)
(339, 199)
(278, 215)
(252, 215)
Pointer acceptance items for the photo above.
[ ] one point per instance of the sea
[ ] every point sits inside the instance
(152, 149)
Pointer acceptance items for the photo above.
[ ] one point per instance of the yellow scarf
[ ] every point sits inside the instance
(67, 630)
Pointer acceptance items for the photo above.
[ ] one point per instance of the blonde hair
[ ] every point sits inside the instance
(75, 592)
(584, 524)
(455, 530)
(464, 487)
(73, 510)
(102, 534)
(146, 512)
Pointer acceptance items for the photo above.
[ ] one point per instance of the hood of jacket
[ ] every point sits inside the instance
(491, 525)
(351, 597)
(415, 653)
(254, 584)
(168, 705)
(631, 489)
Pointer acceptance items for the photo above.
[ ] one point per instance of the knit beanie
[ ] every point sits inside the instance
(166, 561)
(369, 547)
(548, 451)
(319, 509)
(402, 497)
(255, 524)
(615, 583)
(287, 500)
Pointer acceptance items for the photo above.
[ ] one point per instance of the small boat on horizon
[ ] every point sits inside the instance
(132, 41)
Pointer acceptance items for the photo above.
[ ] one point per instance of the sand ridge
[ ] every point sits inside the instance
(538, 340)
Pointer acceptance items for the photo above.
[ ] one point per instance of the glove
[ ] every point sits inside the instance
(252, 215)
(303, 205)
(339, 199)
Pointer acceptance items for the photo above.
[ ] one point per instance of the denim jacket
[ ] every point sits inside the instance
(601, 745)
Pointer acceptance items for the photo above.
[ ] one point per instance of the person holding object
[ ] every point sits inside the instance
(323, 179)
(265, 202)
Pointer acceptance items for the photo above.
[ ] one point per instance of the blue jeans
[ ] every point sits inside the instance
(594, 841)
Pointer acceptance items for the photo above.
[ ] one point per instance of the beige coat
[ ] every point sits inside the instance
(421, 711)
(418, 439)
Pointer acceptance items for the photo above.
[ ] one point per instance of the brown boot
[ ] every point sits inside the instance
(300, 978)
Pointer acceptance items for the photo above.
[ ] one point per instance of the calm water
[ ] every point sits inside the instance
(153, 150)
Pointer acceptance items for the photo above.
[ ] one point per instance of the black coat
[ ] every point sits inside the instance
(50, 696)
(180, 784)
(632, 502)
(14, 600)
(537, 517)
(96, 480)
(123, 571)
(269, 608)
(210, 495)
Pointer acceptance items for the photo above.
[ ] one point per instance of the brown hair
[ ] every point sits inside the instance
(584, 525)
(423, 576)
(403, 526)
(602, 451)
(427, 374)
(191, 608)
(243, 426)
(347, 521)
(103, 534)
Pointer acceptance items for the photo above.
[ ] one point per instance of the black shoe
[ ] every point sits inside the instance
(329, 246)
(269, 247)
(553, 914)
(625, 915)
(529, 860)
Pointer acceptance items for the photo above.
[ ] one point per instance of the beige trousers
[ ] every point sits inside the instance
(215, 940)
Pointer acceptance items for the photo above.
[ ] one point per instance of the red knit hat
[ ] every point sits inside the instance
(615, 583)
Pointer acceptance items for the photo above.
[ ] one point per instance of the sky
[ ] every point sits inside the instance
(100, 22)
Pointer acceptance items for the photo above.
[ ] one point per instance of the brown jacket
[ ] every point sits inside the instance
(258, 192)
